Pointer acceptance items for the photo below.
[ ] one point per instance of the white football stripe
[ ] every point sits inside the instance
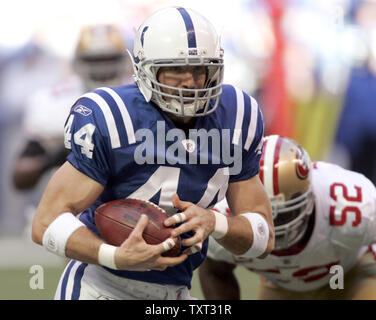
(239, 116)
(268, 164)
(252, 124)
(124, 114)
(110, 121)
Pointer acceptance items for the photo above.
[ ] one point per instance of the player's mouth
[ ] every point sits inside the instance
(187, 99)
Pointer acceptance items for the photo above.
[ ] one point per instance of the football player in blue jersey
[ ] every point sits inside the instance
(178, 138)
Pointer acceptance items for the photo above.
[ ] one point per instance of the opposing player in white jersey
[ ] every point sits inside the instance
(99, 59)
(325, 223)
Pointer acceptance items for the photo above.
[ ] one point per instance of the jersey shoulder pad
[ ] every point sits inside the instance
(241, 113)
(106, 109)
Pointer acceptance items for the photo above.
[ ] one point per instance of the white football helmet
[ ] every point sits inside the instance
(175, 37)
(100, 56)
(285, 171)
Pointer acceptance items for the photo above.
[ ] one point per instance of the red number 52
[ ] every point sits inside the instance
(347, 209)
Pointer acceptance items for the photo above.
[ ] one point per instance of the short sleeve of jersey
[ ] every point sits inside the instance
(348, 201)
(354, 215)
(252, 141)
(86, 134)
(370, 209)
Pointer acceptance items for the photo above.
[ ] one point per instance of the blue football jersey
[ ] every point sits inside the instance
(135, 150)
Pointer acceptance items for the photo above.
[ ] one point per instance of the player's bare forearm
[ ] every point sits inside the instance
(71, 191)
(245, 197)
(218, 281)
(68, 191)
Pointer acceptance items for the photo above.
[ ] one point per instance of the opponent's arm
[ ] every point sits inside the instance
(218, 281)
(71, 191)
(33, 162)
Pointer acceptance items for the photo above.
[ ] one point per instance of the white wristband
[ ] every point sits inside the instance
(58, 232)
(260, 235)
(106, 256)
(221, 225)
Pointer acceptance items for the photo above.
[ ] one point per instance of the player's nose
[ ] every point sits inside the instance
(188, 81)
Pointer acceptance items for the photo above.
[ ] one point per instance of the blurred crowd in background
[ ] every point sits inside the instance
(311, 64)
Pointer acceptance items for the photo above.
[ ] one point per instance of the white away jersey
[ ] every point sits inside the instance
(47, 110)
(343, 226)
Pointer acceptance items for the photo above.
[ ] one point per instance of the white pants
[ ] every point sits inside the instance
(81, 281)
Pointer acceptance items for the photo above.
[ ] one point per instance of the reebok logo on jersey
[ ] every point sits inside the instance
(82, 110)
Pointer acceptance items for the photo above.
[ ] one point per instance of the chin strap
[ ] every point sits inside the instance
(174, 105)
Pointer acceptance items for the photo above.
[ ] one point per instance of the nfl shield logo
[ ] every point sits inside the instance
(189, 145)
(260, 229)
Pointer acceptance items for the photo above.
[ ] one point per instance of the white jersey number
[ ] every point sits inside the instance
(166, 179)
(83, 137)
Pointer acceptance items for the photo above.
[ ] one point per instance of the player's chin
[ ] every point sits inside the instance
(180, 119)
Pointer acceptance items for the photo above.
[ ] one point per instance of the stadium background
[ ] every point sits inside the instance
(296, 57)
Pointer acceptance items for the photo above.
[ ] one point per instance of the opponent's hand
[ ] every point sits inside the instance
(135, 254)
(199, 220)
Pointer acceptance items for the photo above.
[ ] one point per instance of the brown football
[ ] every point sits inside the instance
(115, 220)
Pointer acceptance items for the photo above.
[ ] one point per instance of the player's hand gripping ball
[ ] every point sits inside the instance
(115, 220)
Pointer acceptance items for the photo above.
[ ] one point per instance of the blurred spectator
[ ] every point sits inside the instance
(23, 71)
(99, 60)
(355, 144)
